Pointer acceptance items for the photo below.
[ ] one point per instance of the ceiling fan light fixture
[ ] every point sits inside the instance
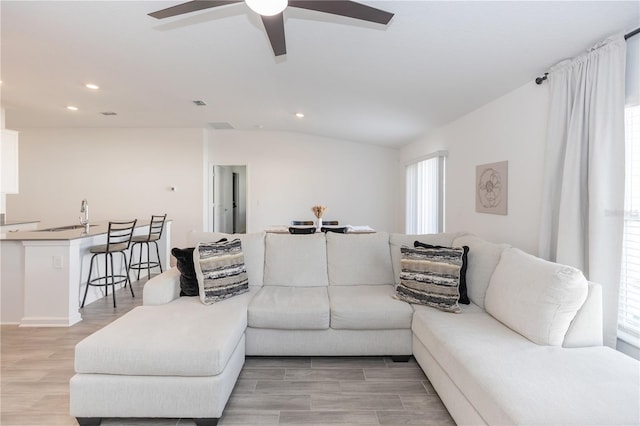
(267, 7)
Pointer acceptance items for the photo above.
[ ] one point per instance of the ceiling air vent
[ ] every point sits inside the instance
(200, 103)
(221, 125)
(109, 113)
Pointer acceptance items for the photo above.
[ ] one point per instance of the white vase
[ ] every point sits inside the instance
(319, 227)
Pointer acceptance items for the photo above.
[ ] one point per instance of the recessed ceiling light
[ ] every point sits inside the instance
(299, 115)
(92, 86)
(72, 108)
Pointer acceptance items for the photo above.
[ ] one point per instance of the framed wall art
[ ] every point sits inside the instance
(492, 188)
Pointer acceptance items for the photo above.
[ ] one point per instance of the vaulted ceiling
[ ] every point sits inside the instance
(388, 85)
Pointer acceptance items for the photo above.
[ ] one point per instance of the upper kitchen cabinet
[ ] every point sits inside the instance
(9, 162)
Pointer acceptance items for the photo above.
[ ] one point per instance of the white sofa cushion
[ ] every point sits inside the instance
(296, 260)
(511, 381)
(586, 328)
(534, 297)
(482, 259)
(368, 307)
(252, 248)
(444, 239)
(290, 308)
(181, 338)
(357, 259)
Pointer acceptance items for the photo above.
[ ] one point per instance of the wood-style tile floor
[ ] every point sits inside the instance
(37, 363)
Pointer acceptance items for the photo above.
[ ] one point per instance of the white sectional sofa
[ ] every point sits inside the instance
(333, 295)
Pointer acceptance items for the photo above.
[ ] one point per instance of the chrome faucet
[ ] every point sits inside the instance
(84, 208)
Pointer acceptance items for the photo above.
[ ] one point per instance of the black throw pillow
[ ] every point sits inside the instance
(464, 298)
(188, 279)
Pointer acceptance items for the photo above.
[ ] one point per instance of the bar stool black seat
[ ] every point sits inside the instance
(155, 233)
(302, 223)
(118, 240)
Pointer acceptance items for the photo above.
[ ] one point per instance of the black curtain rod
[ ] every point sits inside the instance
(539, 80)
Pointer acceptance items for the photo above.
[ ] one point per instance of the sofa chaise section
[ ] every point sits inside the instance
(488, 374)
(485, 372)
(173, 360)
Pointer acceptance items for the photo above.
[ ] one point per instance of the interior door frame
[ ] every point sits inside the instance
(211, 189)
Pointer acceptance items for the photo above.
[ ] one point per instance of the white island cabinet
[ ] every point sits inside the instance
(44, 273)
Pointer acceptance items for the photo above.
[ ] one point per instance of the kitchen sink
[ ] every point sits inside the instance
(63, 228)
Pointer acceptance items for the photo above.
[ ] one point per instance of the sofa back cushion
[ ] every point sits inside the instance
(482, 259)
(444, 239)
(359, 259)
(586, 328)
(534, 297)
(295, 260)
(252, 248)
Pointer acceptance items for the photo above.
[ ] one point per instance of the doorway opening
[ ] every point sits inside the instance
(229, 195)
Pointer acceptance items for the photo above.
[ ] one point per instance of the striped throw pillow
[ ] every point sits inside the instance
(220, 270)
(431, 276)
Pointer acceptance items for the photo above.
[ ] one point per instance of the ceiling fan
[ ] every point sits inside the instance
(271, 12)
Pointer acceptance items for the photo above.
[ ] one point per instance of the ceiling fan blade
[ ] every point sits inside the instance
(275, 30)
(351, 9)
(190, 6)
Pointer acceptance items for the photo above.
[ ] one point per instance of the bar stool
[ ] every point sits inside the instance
(118, 241)
(155, 233)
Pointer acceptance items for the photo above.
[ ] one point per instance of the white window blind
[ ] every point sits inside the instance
(425, 196)
(629, 309)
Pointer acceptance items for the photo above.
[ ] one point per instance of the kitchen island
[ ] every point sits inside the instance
(44, 272)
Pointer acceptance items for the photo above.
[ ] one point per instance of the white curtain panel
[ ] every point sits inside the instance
(583, 198)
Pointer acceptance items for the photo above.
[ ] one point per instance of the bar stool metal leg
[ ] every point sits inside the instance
(86, 289)
(148, 260)
(113, 280)
(128, 280)
(158, 253)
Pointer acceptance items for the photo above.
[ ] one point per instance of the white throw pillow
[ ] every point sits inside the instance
(534, 297)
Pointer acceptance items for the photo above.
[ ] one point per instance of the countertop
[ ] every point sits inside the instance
(97, 228)
(18, 222)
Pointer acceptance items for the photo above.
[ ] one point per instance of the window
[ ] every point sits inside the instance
(425, 195)
(629, 309)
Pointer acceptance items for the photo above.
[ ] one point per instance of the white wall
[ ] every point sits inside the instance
(123, 173)
(288, 173)
(511, 128)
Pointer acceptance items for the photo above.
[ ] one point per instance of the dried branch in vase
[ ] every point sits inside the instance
(318, 211)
